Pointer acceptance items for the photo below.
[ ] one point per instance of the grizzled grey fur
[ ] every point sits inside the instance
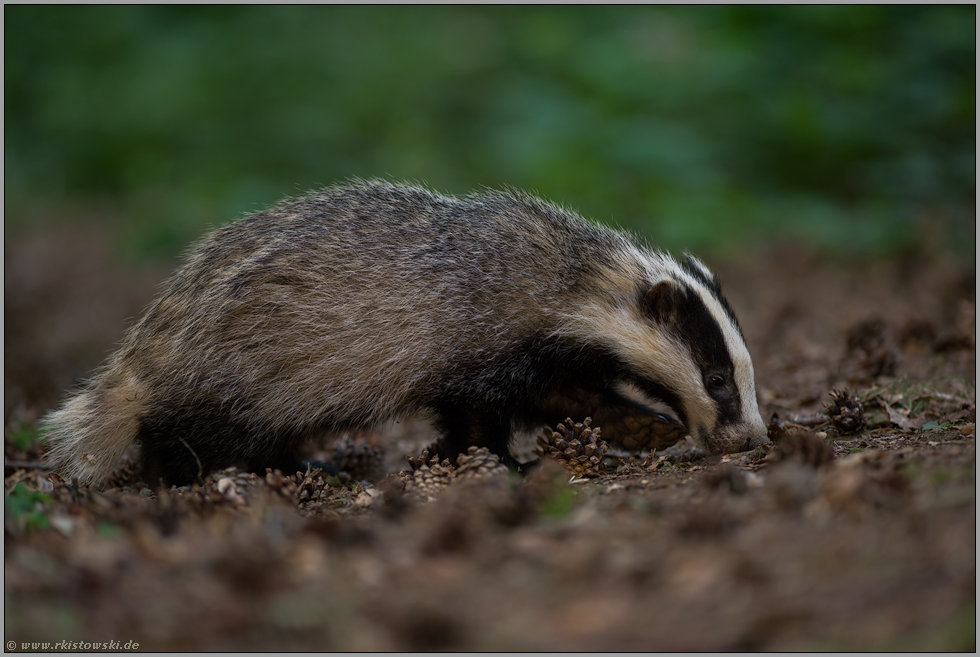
(364, 302)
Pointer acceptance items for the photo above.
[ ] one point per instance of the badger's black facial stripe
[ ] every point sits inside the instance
(697, 327)
(664, 394)
(713, 285)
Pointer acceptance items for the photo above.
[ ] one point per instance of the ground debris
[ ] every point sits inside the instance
(682, 453)
(726, 478)
(871, 350)
(358, 458)
(803, 446)
(791, 547)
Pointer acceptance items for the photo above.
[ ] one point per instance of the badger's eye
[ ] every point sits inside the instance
(716, 381)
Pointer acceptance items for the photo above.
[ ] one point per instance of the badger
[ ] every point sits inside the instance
(370, 300)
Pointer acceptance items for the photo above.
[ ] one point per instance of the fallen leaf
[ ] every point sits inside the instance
(900, 418)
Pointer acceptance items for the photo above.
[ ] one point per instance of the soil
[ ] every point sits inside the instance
(817, 541)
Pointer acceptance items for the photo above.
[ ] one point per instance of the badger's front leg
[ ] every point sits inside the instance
(629, 423)
(461, 426)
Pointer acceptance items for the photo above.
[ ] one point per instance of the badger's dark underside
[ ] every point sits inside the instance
(538, 383)
(180, 451)
(183, 444)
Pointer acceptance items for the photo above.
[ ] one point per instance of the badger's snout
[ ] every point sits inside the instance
(735, 438)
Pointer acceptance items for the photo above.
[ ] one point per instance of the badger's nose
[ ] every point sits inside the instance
(758, 440)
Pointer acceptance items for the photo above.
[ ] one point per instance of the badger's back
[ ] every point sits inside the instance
(342, 308)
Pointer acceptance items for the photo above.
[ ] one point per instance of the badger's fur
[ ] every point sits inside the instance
(367, 301)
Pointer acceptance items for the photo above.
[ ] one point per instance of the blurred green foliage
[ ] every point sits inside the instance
(25, 436)
(26, 508)
(702, 127)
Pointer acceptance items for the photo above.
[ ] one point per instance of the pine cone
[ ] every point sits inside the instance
(426, 459)
(280, 483)
(427, 480)
(478, 462)
(311, 489)
(358, 459)
(845, 412)
(576, 446)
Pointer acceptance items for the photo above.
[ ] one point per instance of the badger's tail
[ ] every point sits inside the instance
(87, 436)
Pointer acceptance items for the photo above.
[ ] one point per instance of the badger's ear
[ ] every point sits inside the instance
(661, 301)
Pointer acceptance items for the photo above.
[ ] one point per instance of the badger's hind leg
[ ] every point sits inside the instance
(90, 433)
(180, 446)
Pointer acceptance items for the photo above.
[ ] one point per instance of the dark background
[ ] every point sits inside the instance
(850, 129)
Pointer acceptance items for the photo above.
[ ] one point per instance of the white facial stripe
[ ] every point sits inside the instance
(700, 265)
(744, 372)
(630, 391)
(654, 355)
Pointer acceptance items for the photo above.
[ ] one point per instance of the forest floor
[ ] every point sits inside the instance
(820, 541)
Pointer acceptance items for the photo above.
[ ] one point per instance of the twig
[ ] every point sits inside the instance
(815, 420)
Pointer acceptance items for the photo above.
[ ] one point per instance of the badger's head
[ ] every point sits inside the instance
(680, 343)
